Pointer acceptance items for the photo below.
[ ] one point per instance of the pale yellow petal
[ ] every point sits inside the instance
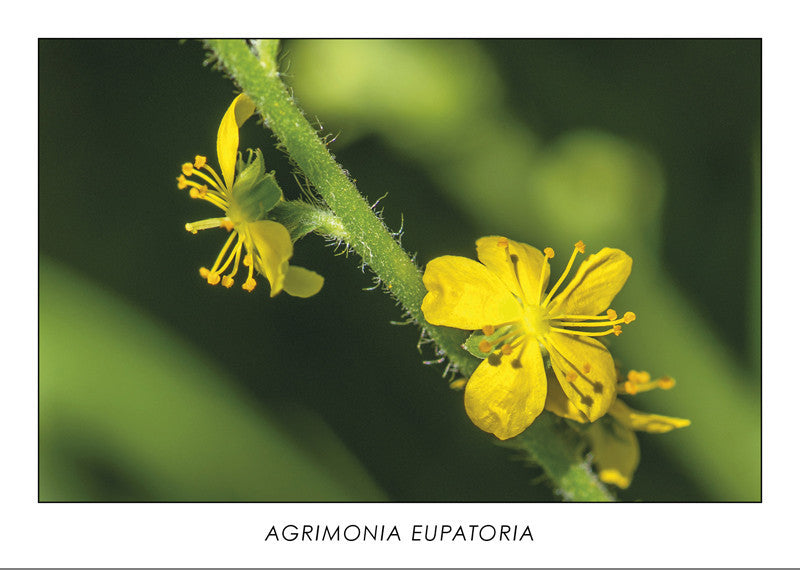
(464, 294)
(558, 403)
(639, 421)
(595, 284)
(518, 265)
(585, 371)
(228, 135)
(615, 451)
(506, 393)
(301, 282)
(274, 249)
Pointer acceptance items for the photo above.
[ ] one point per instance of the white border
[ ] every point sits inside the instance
(565, 535)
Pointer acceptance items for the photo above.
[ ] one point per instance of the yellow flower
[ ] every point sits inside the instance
(246, 194)
(612, 440)
(504, 296)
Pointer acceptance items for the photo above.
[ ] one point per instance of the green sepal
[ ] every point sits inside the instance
(248, 172)
(473, 342)
(471, 345)
(255, 191)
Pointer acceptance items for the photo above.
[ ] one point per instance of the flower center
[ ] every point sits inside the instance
(535, 320)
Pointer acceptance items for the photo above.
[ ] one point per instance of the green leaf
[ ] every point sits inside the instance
(129, 411)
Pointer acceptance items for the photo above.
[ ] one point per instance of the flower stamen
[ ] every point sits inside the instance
(616, 329)
(579, 247)
(215, 268)
(249, 283)
(194, 227)
(641, 382)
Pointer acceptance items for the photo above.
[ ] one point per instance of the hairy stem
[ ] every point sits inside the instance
(258, 76)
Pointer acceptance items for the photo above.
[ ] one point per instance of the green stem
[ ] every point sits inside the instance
(366, 234)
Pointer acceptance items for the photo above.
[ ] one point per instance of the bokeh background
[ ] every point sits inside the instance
(155, 386)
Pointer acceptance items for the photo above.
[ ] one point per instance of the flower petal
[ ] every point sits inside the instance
(506, 393)
(596, 283)
(228, 135)
(301, 282)
(558, 403)
(274, 248)
(519, 266)
(464, 294)
(586, 372)
(616, 452)
(651, 423)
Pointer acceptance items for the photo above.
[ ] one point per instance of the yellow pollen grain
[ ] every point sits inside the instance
(612, 315)
(638, 377)
(631, 387)
(666, 383)
(187, 168)
(484, 346)
(199, 161)
(488, 330)
(506, 349)
(587, 368)
(227, 281)
(549, 253)
(502, 242)
(629, 317)
(249, 285)
(580, 246)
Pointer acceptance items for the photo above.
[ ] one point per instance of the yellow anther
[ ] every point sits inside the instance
(182, 183)
(194, 193)
(187, 168)
(580, 246)
(484, 346)
(571, 376)
(587, 368)
(190, 228)
(629, 317)
(617, 330)
(227, 281)
(227, 224)
(213, 278)
(249, 285)
(549, 253)
(638, 377)
(488, 330)
(204, 271)
(199, 161)
(506, 349)
(247, 260)
(458, 384)
(666, 383)
(612, 315)
(631, 387)
(502, 242)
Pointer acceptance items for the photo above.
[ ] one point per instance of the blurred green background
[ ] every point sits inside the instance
(155, 386)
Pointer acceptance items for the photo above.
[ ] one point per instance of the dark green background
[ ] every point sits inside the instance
(116, 120)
